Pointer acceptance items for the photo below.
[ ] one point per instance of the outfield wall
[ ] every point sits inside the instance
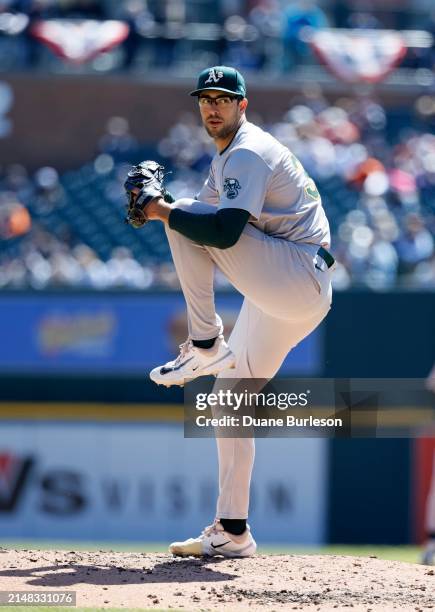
(125, 472)
(83, 349)
(143, 481)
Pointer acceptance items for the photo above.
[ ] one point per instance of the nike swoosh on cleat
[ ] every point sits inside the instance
(167, 370)
(219, 545)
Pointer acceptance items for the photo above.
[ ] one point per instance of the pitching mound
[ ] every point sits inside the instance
(144, 580)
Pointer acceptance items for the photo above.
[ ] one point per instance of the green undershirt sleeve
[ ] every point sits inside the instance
(220, 230)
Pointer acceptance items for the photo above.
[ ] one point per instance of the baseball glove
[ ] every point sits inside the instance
(148, 178)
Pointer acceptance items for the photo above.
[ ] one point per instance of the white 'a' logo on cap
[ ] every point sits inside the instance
(214, 76)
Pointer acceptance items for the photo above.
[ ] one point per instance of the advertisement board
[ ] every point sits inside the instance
(123, 334)
(145, 482)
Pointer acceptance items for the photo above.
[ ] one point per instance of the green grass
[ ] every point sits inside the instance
(409, 554)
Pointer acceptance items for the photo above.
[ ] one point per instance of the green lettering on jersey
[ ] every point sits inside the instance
(311, 189)
(310, 186)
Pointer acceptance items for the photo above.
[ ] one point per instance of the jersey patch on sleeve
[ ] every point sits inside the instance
(232, 188)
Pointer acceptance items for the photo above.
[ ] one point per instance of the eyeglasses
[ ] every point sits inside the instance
(220, 101)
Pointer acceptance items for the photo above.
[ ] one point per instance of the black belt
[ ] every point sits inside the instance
(326, 256)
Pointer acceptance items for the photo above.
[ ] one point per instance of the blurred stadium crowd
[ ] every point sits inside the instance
(267, 35)
(376, 178)
(375, 167)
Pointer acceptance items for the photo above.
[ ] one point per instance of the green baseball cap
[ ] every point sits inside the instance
(222, 78)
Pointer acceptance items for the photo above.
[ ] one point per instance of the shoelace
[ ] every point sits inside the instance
(184, 349)
(211, 529)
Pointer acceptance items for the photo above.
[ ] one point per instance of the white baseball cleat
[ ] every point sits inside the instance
(193, 362)
(214, 540)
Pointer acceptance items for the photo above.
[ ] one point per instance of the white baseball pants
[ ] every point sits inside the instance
(285, 299)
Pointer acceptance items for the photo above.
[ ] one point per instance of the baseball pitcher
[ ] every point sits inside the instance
(259, 219)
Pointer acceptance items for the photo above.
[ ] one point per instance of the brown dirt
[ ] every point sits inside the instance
(281, 582)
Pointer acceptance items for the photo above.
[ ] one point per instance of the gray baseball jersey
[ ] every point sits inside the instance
(258, 174)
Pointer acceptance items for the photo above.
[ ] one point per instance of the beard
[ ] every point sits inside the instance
(224, 131)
